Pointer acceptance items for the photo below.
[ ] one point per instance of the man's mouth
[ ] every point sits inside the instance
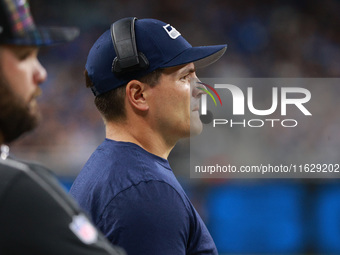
(37, 93)
(33, 102)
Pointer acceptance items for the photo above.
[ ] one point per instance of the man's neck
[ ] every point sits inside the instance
(141, 135)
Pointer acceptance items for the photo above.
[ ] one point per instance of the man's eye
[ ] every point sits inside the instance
(185, 77)
(23, 56)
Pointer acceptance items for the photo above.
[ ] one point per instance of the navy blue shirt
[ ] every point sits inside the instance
(137, 202)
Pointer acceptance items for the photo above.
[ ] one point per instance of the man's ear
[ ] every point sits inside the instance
(135, 96)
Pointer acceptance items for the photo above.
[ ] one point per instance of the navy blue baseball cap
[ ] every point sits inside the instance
(17, 27)
(162, 45)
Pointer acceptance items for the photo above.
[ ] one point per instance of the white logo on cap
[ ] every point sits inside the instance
(172, 32)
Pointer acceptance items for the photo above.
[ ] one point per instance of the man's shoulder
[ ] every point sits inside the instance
(12, 168)
(121, 165)
(14, 171)
(112, 155)
(31, 188)
(9, 171)
(113, 169)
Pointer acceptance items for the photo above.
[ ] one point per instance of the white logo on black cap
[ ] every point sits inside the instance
(172, 32)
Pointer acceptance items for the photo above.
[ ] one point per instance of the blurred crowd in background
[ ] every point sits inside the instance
(267, 38)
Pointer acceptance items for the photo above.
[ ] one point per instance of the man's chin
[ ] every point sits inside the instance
(26, 127)
(196, 128)
(18, 122)
(196, 125)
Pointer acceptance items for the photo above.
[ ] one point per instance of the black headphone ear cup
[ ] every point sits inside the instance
(143, 64)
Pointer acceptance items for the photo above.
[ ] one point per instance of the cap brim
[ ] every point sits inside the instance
(43, 36)
(202, 56)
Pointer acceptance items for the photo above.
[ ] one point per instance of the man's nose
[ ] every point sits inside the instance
(40, 74)
(198, 88)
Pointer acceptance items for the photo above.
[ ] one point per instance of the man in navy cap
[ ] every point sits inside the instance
(142, 73)
(36, 215)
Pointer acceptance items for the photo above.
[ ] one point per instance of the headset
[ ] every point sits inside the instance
(128, 59)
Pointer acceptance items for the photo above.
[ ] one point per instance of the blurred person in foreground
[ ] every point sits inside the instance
(142, 73)
(36, 215)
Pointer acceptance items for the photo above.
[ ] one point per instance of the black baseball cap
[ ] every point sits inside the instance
(17, 27)
(162, 45)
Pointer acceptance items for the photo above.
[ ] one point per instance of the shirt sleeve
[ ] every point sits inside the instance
(33, 222)
(148, 218)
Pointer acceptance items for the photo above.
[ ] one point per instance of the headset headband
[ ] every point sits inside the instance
(128, 59)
